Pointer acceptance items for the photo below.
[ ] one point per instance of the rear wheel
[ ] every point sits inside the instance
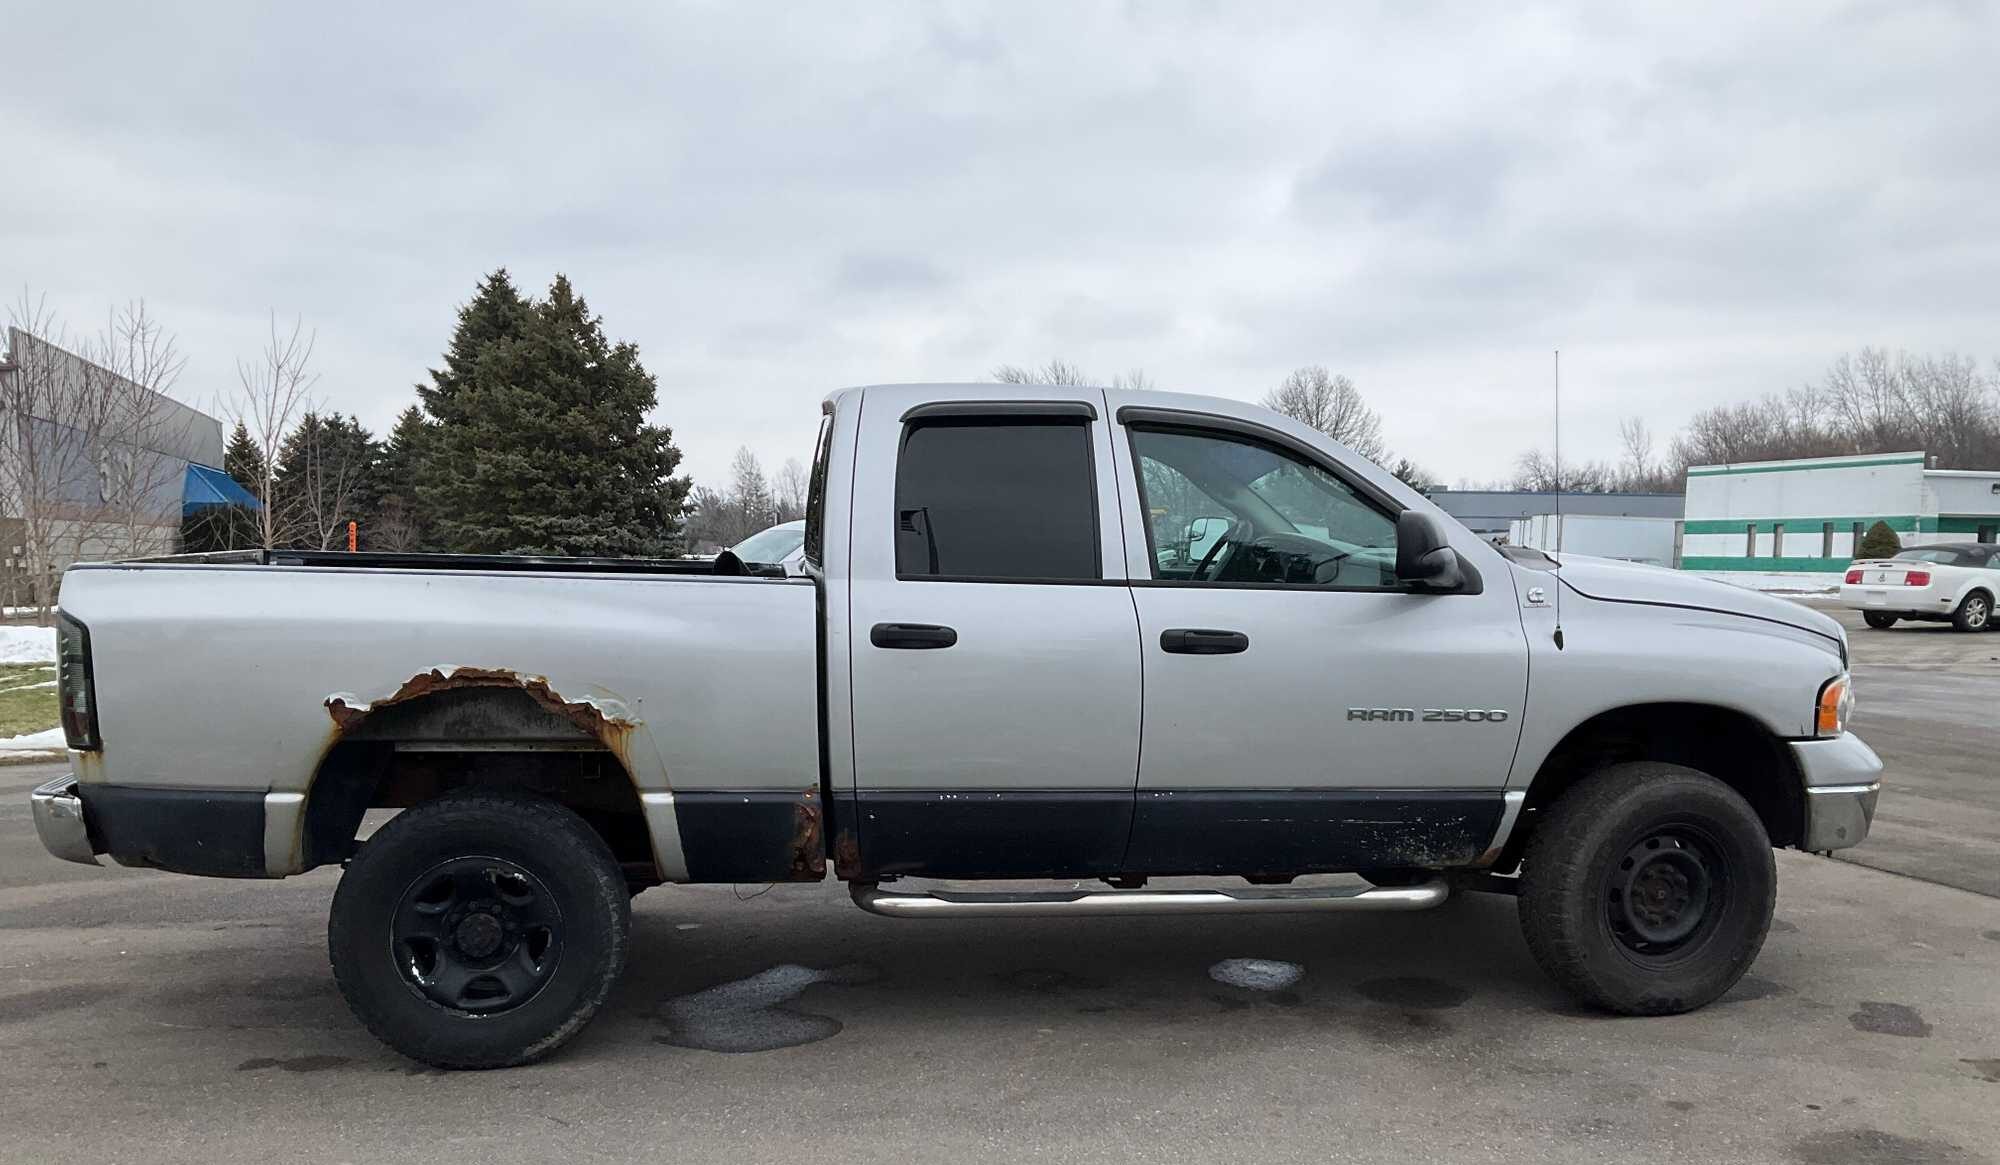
(479, 930)
(1975, 613)
(1647, 889)
(1877, 620)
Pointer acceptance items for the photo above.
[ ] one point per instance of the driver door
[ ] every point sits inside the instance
(1303, 708)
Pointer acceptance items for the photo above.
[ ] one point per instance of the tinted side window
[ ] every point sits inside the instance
(816, 492)
(989, 498)
(1225, 510)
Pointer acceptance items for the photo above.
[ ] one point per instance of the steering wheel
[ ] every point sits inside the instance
(1239, 531)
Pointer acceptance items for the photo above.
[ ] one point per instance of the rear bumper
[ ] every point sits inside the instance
(1928, 602)
(220, 834)
(59, 821)
(1843, 779)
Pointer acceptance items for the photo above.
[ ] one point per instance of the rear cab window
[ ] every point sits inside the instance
(997, 498)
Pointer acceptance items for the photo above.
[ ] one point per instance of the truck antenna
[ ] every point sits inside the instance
(1559, 496)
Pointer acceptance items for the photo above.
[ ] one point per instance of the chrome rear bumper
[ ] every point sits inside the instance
(59, 821)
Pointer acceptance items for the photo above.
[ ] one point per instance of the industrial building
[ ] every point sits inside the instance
(94, 466)
(1804, 517)
(1490, 513)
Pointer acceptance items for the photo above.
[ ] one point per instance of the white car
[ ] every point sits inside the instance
(1953, 583)
(783, 544)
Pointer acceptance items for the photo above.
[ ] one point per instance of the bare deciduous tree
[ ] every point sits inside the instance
(276, 389)
(1313, 396)
(788, 490)
(1057, 371)
(92, 447)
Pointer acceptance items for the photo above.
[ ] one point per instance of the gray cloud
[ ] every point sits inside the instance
(1696, 202)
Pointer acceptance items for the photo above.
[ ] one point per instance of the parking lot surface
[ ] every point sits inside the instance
(1928, 700)
(148, 1017)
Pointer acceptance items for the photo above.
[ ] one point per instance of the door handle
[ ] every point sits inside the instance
(911, 636)
(1203, 641)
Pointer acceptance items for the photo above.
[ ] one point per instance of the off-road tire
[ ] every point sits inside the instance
(1578, 877)
(1975, 613)
(577, 879)
(1877, 620)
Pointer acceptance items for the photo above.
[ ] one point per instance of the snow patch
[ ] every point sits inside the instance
(47, 740)
(1256, 974)
(28, 687)
(27, 645)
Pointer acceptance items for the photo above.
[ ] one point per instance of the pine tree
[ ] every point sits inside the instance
(498, 311)
(1879, 542)
(541, 444)
(243, 461)
(323, 479)
(395, 518)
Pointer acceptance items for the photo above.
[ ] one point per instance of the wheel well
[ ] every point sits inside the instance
(1727, 745)
(483, 737)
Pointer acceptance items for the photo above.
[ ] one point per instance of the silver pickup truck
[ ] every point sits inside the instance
(1042, 633)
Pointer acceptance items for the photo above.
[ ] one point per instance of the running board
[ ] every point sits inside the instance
(1103, 903)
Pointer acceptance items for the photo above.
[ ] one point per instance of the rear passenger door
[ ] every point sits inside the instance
(993, 645)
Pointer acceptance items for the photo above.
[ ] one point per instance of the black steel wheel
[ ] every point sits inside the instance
(1878, 620)
(479, 930)
(1647, 888)
(478, 934)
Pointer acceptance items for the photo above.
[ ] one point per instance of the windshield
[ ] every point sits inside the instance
(772, 545)
(1948, 555)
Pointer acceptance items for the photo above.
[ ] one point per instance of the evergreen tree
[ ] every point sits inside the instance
(244, 461)
(541, 444)
(395, 518)
(497, 312)
(323, 479)
(1879, 542)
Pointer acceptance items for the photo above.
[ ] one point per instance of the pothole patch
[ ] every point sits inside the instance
(1256, 974)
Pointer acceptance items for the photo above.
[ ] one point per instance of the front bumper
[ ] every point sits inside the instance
(1843, 778)
(59, 821)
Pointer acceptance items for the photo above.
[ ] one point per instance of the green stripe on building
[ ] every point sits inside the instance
(1959, 524)
(1723, 470)
(1901, 523)
(1787, 565)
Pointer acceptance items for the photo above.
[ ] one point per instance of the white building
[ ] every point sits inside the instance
(1627, 537)
(1803, 518)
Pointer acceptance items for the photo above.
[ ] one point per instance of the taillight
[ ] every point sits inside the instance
(1854, 576)
(76, 689)
(1917, 578)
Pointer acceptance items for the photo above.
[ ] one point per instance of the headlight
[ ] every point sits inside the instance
(1836, 703)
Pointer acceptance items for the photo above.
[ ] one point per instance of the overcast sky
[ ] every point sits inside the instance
(1696, 203)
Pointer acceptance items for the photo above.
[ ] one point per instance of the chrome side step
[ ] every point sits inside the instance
(1107, 903)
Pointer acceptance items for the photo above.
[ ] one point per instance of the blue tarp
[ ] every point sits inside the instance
(205, 487)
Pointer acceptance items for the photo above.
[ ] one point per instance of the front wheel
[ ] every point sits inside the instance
(1877, 620)
(479, 930)
(1648, 889)
(1974, 614)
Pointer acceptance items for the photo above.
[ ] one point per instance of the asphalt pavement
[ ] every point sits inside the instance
(147, 1017)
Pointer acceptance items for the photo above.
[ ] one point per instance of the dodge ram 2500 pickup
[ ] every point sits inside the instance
(1041, 633)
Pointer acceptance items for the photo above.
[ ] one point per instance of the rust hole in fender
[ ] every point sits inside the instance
(612, 731)
(846, 856)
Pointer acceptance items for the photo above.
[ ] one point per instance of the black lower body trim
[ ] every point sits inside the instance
(752, 835)
(220, 834)
(1308, 831)
(989, 833)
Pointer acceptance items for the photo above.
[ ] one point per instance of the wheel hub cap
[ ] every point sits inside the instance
(477, 934)
(1661, 894)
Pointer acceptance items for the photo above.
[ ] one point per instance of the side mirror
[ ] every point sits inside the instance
(1423, 556)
